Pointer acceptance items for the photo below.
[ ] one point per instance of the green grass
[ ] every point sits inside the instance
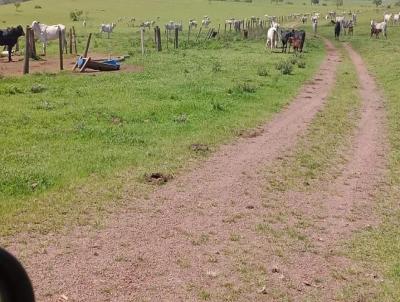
(71, 145)
(378, 247)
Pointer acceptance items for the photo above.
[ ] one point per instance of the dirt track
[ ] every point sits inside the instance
(196, 235)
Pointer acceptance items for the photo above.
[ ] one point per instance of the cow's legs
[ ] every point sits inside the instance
(9, 48)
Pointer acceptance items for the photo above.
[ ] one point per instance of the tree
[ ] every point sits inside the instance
(377, 2)
(339, 3)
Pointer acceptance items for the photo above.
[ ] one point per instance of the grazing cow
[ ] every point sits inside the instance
(206, 22)
(377, 28)
(296, 43)
(272, 38)
(387, 17)
(304, 19)
(338, 28)
(192, 24)
(147, 24)
(9, 37)
(107, 28)
(172, 26)
(300, 35)
(285, 37)
(396, 18)
(314, 21)
(346, 25)
(47, 33)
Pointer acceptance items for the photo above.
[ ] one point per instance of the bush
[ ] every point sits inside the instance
(37, 7)
(262, 71)
(285, 67)
(75, 15)
(293, 60)
(216, 67)
(246, 87)
(218, 106)
(301, 64)
(37, 88)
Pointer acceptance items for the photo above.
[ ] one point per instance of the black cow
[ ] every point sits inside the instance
(288, 36)
(9, 37)
(338, 27)
(285, 37)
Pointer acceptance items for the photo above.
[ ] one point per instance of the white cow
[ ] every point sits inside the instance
(47, 33)
(382, 26)
(192, 24)
(107, 28)
(147, 24)
(272, 36)
(314, 20)
(206, 21)
(172, 25)
(396, 18)
(387, 17)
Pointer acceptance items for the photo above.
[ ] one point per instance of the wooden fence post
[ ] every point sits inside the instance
(60, 45)
(70, 40)
(87, 46)
(32, 44)
(176, 37)
(142, 39)
(74, 39)
(198, 35)
(157, 33)
(27, 47)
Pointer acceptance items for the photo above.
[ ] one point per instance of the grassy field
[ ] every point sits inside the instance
(379, 247)
(71, 145)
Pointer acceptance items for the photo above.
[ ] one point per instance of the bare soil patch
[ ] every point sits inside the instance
(195, 238)
(52, 65)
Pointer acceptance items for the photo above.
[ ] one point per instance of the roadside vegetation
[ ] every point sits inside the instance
(64, 136)
(378, 247)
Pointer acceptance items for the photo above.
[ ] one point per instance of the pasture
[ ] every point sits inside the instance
(74, 129)
(75, 148)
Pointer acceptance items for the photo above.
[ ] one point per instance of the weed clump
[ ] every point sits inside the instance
(216, 67)
(218, 106)
(37, 88)
(285, 67)
(262, 71)
(182, 118)
(301, 64)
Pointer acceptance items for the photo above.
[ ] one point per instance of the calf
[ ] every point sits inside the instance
(9, 37)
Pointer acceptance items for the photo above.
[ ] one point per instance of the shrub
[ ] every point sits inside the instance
(75, 15)
(293, 60)
(262, 71)
(37, 7)
(285, 67)
(218, 106)
(182, 118)
(246, 87)
(37, 88)
(216, 67)
(301, 64)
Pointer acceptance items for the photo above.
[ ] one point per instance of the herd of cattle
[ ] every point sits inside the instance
(343, 23)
